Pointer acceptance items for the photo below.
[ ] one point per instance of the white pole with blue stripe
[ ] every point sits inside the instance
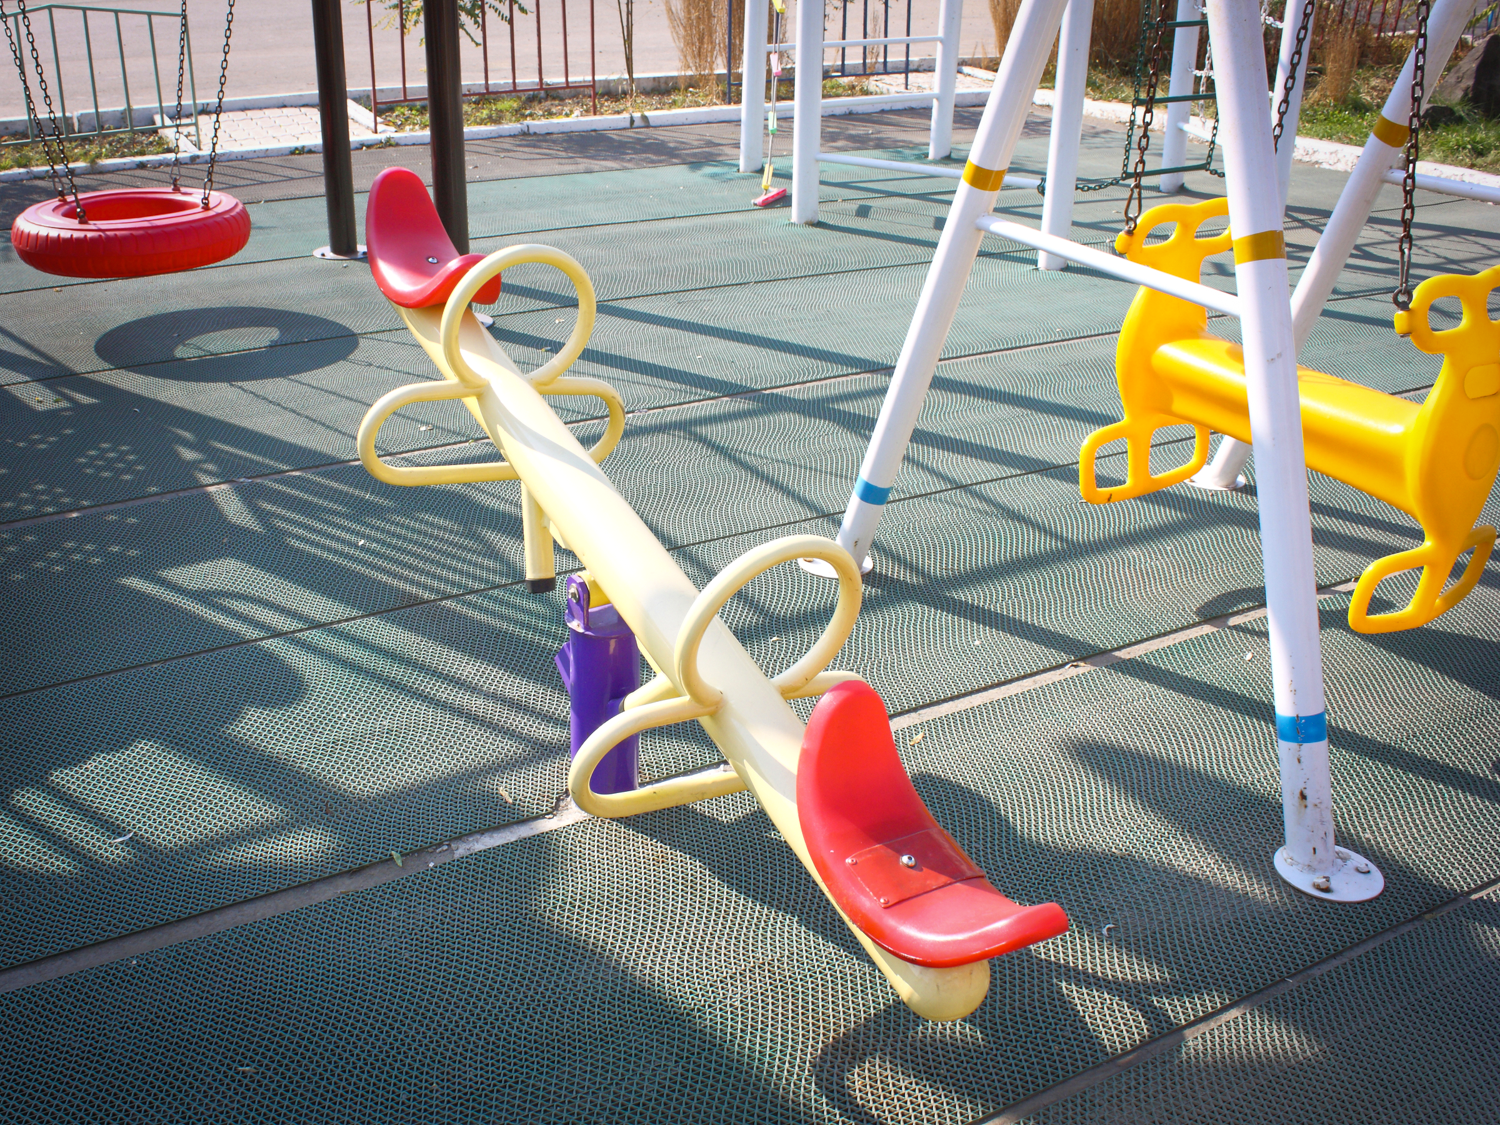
(994, 142)
(1309, 860)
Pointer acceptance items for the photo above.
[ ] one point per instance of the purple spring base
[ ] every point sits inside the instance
(600, 666)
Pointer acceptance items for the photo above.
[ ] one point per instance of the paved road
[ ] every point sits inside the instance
(273, 48)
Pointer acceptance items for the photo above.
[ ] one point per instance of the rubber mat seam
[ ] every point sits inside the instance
(1153, 1048)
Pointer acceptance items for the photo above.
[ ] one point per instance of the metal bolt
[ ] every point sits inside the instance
(432, 260)
(1342, 854)
(884, 901)
(1321, 883)
(908, 861)
(851, 861)
(1362, 867)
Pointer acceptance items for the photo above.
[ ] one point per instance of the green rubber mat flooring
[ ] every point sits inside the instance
(1262, 1066)
(220, 687)
(693, 972)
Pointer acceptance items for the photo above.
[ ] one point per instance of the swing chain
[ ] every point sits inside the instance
(1135, 201)
(177, 121)
(1401, 298)
(213, 145)
(1291, 74)
(58, 132)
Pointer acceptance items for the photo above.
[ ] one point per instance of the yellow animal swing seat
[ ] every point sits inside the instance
(1435, 461)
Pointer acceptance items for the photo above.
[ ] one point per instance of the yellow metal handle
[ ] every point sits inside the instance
(753, 562)
(664, 794)
(1472, 291)
(433, 391)
(474, 280)
(447, 389)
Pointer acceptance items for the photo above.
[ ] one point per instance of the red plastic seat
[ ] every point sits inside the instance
(413, 259)
(130, 232)
(887, 863)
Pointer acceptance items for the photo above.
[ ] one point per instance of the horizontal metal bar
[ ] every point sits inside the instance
(34, 8)
(837, 44)
(1444, 186)
(1187, 23)
(917, 169)
(1168, 99)
(1203, 167)
(1112, 264)
(892, 165)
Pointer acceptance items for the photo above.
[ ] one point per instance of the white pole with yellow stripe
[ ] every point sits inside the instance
(1004, 114)
(1353, 209)
(1309, 859)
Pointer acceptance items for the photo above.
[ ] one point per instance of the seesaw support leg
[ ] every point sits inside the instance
(1004, 114)
(1308, 860)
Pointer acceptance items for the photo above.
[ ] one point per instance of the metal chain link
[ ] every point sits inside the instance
(1135, 201)
(177, 121)
(213, 145)
(1291, 74)
(58, 134)
(1402, 296)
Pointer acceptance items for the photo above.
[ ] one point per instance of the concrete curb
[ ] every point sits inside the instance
(707, 115)
(1310, 150)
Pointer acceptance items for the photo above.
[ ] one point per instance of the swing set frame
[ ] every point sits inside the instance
(1275, 322)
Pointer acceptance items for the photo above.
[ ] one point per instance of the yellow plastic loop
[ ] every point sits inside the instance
(1139, 481)
(475, 279)
(441, 390)
(1429, 601)
(1474, 339)
(753, 562)
(1183, 251)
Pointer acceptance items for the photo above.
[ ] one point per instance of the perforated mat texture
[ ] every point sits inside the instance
(679, 965)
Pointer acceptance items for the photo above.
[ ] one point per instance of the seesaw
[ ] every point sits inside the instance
(836, 790)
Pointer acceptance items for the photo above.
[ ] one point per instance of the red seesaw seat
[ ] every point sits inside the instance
(887, 863)
(414, 261)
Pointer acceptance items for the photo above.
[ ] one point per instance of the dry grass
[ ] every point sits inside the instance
(1340, 58)
(698, 30)
(1002, 17)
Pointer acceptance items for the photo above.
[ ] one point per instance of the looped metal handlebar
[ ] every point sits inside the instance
(646, 708)
(474, 280)
(468, 383)
(729, 580)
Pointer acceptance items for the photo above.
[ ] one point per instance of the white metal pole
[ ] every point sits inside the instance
(1350, 215)
(1381, 149)
(1308, 859)
(753, 88)
(1291, 20)
(1067, 126)
(950, 25)
(807, 111)
(1184, 63)
(1004, 114)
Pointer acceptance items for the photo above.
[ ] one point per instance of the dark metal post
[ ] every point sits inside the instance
(333, 109)
(445, 118)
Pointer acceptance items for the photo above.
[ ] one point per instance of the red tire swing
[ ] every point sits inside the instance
(132, 232)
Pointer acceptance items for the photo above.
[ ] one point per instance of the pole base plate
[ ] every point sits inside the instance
(1238, 485)
(825, 570)
(1355, 879)
(327, 254)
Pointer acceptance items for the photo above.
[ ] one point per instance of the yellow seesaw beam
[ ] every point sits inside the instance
(704, 672)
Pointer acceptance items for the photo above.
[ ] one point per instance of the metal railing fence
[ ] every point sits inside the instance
(117, 19)
(516, 85)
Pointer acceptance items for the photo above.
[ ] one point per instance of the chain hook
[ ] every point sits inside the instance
(1401, 298)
